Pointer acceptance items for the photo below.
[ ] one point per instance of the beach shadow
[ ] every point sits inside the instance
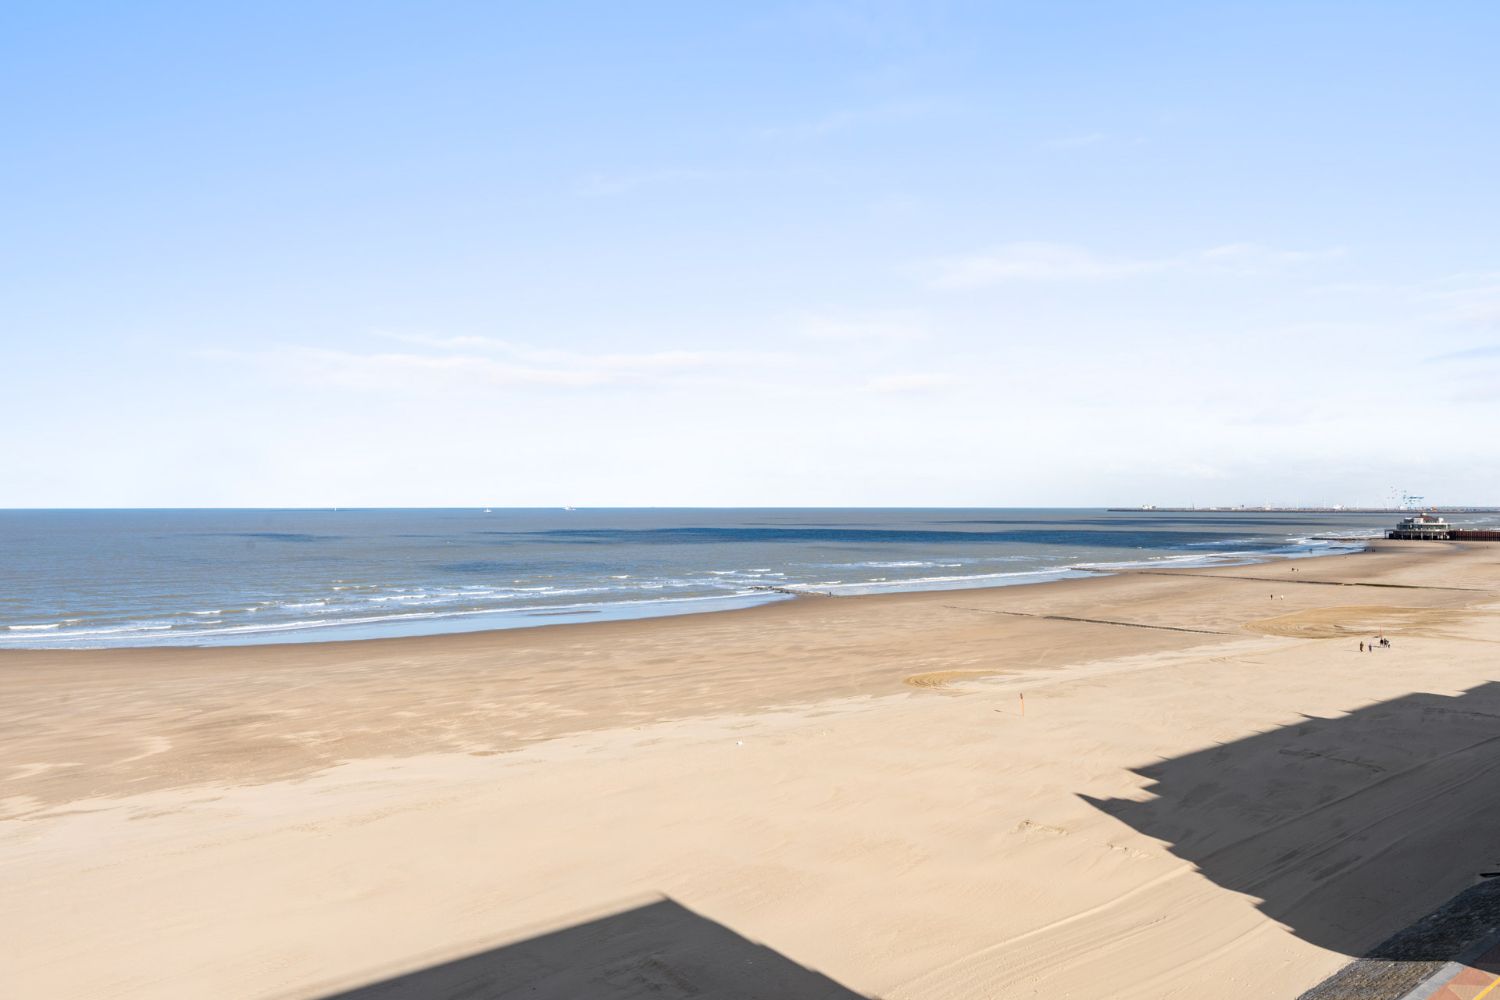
(1346, 830)
(660, 951)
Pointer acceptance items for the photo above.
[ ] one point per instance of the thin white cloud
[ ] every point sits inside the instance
(1077, 141)
(890, 112)
(887, 328)
(1467, 298)
(1476, 389)
(912, 382)
(1037, 262)
(1483, 353)
(611, 185)
(484, 361)
(404, 370)
(1253, 258)
(609, 363)
(1482, 312)
(1041, 262)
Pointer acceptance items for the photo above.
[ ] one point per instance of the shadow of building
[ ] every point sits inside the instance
(1346, 829)
(660, 951)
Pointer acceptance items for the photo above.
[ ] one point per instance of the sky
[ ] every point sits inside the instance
(769, 254)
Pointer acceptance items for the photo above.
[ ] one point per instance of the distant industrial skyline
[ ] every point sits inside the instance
(785, 255)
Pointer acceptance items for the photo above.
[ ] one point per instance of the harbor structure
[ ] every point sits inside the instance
(1422, 528)
(1432, 528)
(1333, 509)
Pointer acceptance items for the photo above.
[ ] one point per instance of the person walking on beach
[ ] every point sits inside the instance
(1361, 647)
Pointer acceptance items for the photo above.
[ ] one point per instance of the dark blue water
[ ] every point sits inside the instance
(118, 578)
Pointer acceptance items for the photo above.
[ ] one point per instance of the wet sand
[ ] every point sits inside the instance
(1211, 792)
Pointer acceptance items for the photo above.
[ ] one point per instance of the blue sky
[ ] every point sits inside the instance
(779, 254)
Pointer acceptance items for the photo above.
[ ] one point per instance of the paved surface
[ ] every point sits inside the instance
(1464, 981)
(1452, 953)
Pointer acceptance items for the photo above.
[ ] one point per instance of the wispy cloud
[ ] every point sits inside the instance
(891, 112)
(607, 363)
(601, 185)
(1468, 297)
(486, 361)
(886, 328)
(1036, 262)
(1082, 141)
(1253, 258)
(1033, 262)
(912, 382)
(1471, 354)
(1476, 389)
(1464, 299)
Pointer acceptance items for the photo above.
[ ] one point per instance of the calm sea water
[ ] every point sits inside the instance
(214, 577)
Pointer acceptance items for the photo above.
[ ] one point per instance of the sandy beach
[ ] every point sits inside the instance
(1156, 784)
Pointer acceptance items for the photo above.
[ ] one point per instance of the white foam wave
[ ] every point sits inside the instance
(950, 582)
(116, 630)
(1157, 561)
(180, 633)
(363, 612)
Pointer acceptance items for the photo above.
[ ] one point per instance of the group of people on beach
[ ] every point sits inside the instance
(1368, 647)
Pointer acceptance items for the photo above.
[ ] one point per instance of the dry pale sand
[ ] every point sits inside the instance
(1211, 793)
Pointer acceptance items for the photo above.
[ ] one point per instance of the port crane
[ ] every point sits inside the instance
(1407, 501)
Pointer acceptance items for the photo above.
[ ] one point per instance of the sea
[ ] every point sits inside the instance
(107, 578)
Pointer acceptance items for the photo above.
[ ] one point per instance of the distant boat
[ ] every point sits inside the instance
(570, 508)
(488, 511)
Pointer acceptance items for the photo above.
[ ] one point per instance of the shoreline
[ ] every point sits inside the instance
(853, 786)
(783, 599)
(481, 621)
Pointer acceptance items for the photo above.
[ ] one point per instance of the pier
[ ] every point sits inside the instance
(1297, 510)
(1429, 527)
